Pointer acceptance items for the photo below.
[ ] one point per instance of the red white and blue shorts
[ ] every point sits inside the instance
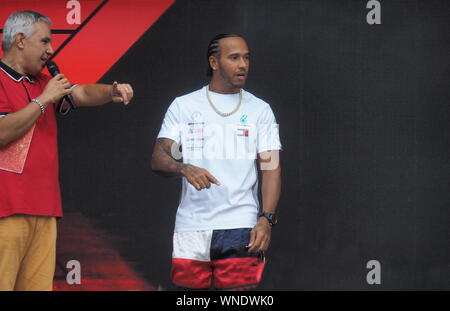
(215, 257)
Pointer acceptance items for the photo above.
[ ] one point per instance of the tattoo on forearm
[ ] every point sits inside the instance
(162, 160)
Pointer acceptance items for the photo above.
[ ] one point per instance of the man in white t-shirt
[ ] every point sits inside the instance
(215, 138)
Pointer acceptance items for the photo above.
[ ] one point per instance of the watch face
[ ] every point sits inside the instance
(270, 217)
(274, 219)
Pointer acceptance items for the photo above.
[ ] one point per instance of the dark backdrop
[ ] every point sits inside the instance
(363, 112)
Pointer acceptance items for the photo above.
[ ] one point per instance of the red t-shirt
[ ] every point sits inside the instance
(36, 191)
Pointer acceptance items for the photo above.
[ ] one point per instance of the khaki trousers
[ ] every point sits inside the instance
(27, 252)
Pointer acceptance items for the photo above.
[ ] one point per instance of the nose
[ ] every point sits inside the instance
(243, 63)
(50, 50)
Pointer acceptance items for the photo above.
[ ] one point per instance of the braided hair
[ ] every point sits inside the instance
(213, 48)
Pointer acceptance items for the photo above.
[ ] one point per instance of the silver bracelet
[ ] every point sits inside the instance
(34, 100)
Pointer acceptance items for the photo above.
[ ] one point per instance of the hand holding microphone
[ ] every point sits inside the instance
(55, 89)
(54, 71)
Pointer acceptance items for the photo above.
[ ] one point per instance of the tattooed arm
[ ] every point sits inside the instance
(163, 163)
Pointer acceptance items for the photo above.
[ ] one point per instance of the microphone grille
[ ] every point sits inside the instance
(52, 68)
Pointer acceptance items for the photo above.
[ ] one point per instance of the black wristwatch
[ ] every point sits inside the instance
(272, 218)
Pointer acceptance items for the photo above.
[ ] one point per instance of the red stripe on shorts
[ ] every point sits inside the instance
(191, 273)
(237, 272)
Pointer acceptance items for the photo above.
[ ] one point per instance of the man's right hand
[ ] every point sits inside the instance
(198, 177)
(55, 89)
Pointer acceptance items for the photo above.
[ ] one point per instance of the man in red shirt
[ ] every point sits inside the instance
(30, 200)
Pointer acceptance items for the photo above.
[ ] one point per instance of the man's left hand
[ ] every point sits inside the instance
(260, 236)
(121, 93)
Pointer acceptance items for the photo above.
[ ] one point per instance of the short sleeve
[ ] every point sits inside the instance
(171, 125)
(268, 132)
(5, 108)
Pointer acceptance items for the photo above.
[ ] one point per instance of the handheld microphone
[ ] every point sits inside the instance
(54, 70)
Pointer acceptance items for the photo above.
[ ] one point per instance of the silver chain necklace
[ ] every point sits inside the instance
(223, 114)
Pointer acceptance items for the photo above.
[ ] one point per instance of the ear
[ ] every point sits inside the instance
(20, 37)
(213, 62)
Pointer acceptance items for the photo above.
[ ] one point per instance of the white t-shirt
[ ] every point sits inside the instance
(227, 147)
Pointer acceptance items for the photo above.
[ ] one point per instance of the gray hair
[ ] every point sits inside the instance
(21, 22)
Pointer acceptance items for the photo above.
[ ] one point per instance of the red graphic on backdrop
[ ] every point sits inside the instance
(90, 36)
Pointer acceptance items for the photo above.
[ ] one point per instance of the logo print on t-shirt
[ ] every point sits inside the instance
(243, 119)
(242, 132)
(195, 135)
(243, 128)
